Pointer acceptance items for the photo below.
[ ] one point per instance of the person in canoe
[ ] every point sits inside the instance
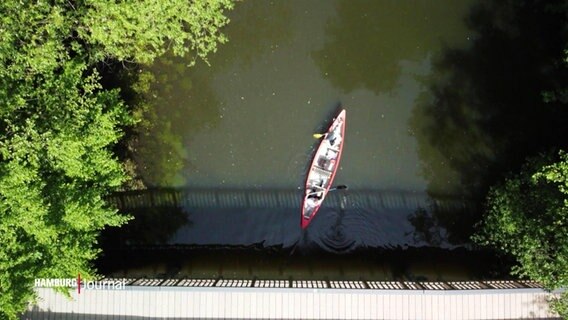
(334, 137)
(314, 197)
(316, 193)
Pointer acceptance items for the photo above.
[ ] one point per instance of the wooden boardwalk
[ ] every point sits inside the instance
(269, 299)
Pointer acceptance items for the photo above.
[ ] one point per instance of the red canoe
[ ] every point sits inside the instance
(323, 169)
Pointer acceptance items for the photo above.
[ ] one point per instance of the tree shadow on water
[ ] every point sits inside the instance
(151, 226)
(483, 112)
(437, 226)
(367, 40)
(256, 29)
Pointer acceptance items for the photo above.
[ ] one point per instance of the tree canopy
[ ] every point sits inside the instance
(58, 124)
(145, 29)
(527, 217)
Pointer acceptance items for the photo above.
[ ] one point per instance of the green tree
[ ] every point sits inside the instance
(142, 30)
(528, 218)
(56, 168)
(58, 124)
(560, 305)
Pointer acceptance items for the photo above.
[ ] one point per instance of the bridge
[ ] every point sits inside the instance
(258, 298)
(383, 212)
(297, 299)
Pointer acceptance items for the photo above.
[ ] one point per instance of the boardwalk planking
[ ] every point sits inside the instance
(215, 302)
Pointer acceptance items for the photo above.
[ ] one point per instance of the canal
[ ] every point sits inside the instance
(440, 104)
(247, 119)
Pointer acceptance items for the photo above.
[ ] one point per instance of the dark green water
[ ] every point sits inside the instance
(443, 99)
(247, 120)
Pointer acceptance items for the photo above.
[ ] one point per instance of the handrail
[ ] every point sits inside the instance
(334, 284)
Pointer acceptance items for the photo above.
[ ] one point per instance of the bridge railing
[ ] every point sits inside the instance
(333, 284)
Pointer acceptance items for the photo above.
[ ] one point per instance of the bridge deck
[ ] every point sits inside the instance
(190, 299)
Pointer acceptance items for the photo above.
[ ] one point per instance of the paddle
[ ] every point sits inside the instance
(319, 135)
(340, 187)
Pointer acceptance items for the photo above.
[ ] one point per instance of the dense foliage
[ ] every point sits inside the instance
(143, 30)
(560, 305)
(528, 218)
(58, 124)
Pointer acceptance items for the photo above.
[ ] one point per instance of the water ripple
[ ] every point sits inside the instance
(343, 231)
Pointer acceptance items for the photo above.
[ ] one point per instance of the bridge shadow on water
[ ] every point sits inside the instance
(247, 233)
(348, 220)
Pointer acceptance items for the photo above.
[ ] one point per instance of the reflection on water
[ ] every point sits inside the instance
(181, 101)
(160, 151)
(483, 112)
(443, 98)
(366, 41)
(348, 220)
(256, 233)
(336, 239)
(247, 120)
(257, 29)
